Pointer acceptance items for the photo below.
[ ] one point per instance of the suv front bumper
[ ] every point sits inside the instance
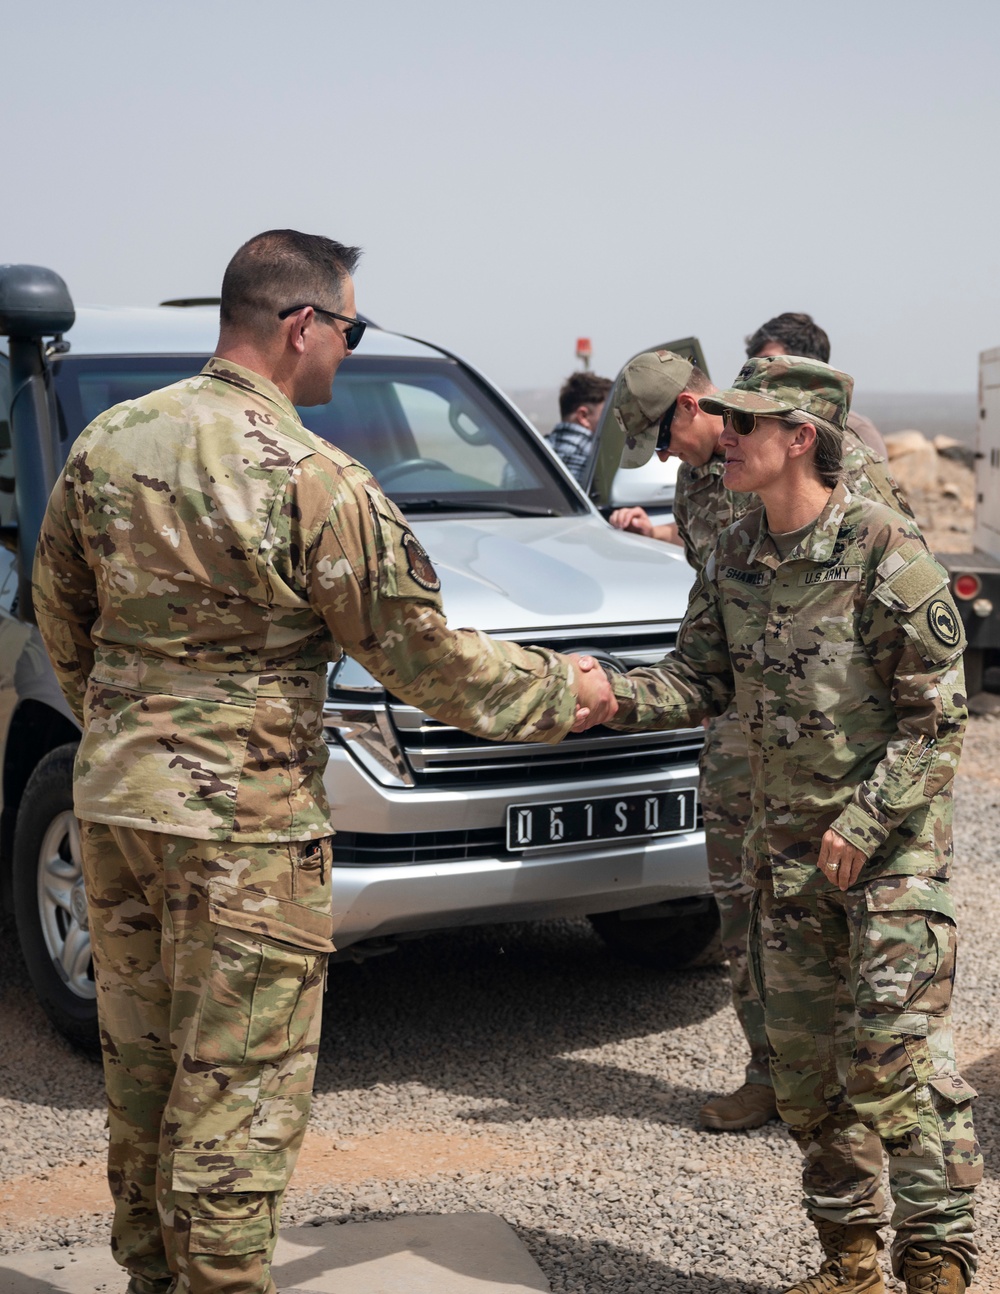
(411, 890)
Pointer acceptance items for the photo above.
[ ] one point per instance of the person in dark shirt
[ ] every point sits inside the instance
(581, 403)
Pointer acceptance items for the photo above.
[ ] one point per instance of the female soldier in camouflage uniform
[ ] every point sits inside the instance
(655, 401)
(825, 618)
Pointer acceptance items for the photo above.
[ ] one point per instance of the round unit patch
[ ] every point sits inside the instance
(419, 564)
(944, 624)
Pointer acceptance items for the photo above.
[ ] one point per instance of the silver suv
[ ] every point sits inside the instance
(435, 828)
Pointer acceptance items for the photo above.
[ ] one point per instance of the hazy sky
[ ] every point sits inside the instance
(521, 174)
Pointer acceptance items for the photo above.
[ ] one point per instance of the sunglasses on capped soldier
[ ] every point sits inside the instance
(742, 423)
(353, 335)
(663, 437)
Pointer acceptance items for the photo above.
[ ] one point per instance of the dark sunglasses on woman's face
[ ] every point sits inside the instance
(353, 334)
(742, 423)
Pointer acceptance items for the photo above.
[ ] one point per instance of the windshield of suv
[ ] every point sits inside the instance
(436, 438)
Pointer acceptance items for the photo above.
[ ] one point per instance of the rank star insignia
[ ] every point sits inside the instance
(419, 565)
(943, 623)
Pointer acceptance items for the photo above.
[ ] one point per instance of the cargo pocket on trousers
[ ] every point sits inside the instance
(891, 1067)
(952, 1097)
(246, 1228)
(251, 1006)
(260, 998)
(910, 928)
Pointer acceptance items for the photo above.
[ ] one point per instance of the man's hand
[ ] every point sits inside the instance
(635, 519)
(840, 862)
(595, 701)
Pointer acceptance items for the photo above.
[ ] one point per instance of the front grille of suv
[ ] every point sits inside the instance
(443, 756)
(369, 848)
(440, 755)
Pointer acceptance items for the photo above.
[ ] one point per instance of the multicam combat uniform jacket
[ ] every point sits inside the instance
(202, 559)
(845, 664)
(703, 507)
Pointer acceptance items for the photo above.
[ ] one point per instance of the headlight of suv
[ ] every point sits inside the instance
(355, 715)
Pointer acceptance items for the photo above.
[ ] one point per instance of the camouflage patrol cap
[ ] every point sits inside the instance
(646, 388)
(775, 384)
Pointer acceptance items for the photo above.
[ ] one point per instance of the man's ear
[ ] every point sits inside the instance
(688, 401)
(298, 326)
(803, 440)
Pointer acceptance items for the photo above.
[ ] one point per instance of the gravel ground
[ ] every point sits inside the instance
(573, 1078)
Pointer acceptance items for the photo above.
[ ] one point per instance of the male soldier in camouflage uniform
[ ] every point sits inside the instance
(203, 558)
(656, 404)
(825, 619)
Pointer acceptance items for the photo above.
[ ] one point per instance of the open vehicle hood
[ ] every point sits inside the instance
(510, 574)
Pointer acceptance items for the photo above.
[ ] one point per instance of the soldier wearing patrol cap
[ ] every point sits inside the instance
(656, 404)
(823, 619)
(202, 560)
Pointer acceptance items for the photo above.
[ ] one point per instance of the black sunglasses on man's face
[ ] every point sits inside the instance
(353, 334)
(663, 439)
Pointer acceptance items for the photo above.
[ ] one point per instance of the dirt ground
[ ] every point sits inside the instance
(325, 1160)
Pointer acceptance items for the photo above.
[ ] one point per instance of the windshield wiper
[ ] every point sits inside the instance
(471, 505)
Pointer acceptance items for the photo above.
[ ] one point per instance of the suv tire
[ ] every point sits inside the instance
(49, 900)
(683, 934)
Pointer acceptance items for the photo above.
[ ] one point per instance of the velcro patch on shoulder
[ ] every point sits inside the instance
(930, 622)
(910, 586)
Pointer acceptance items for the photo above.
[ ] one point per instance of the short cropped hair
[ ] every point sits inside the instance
(699, 382)
(829, 460)
(282, 268)
(798, 333)
(582, 388)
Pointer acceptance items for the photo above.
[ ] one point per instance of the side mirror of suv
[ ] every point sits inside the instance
(34, 304)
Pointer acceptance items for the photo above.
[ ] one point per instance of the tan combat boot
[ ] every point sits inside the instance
(749, 1107)
(929, 1272)
(851, 1264)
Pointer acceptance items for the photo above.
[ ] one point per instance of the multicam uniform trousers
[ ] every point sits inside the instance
(725, 802)
(210, 960)
(885, 1075)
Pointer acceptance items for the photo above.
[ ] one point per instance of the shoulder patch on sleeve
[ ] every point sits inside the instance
(917, 592)
(405, 570)
(943, 623)
(419, 564)
(909, 585)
